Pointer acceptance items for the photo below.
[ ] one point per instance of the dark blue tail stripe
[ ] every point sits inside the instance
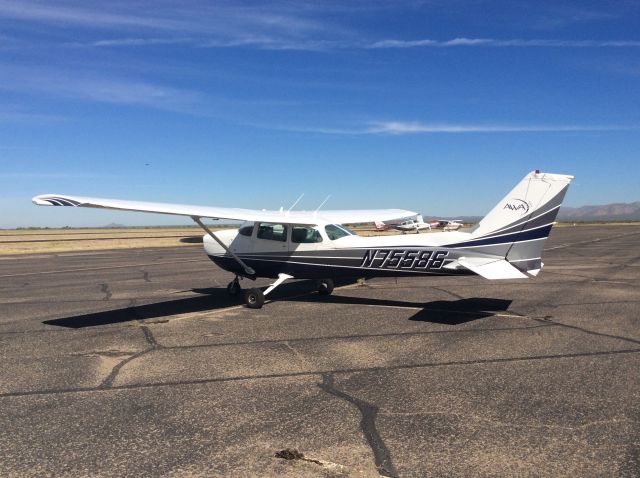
(537, 233)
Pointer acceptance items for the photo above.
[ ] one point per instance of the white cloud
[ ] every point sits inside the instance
(138, 42)
(276, 42)
(279, 25)
(414, 127)
(61, 14)
(492, 42)
(91, 86)
(399, 127)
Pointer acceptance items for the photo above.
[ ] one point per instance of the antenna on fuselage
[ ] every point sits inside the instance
(294, 204)
(321, 204)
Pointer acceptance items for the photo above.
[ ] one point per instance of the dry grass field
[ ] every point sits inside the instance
(71, 240)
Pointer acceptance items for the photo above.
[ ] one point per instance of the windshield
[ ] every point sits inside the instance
(336, 232)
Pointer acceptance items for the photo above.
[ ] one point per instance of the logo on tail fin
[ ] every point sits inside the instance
(517, 205)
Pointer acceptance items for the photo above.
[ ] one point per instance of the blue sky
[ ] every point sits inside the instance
(435, 106)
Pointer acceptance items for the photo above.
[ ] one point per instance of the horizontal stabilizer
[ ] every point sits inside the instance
(491, 268)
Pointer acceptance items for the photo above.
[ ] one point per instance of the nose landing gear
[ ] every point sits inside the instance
(233, 288)
(254, 299)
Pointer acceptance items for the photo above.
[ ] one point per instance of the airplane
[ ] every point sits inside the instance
(506, 244)
(447, 225)
(409, 225)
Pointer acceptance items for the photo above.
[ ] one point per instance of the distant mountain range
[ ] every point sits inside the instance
(605, 212)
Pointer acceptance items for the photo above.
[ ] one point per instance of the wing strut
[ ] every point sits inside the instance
(248, 270)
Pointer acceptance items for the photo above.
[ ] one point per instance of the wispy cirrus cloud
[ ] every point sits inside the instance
(91, 86)
(220, 22)
(262, 42)
(137, 42)
(280, 25)
(414, 127)
(494, 42)
(74, 15)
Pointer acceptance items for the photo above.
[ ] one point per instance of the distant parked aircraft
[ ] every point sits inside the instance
(409, 225)
(446, 224)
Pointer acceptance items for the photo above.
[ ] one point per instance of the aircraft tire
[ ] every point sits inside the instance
(254, 299)
(325, 286)
(233, 288)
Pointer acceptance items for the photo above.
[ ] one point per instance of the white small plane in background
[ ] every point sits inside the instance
(447, 225)
(506, 244)
(409, 225)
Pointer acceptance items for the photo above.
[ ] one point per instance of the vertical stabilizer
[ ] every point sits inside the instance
(518, 225)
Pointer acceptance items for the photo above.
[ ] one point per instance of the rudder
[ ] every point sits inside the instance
(522, 220)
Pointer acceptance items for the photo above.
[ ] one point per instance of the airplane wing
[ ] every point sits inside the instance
(256, 215)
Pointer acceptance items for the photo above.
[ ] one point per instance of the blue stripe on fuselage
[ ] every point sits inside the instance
(537, 233)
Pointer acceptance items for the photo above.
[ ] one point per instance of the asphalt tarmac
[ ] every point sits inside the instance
(137, 363)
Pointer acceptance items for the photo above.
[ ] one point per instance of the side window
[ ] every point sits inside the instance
(305, 234)
(336, 232)
(246, 230)
(272, 232)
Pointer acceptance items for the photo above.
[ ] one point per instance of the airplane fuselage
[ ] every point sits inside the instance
(347, 256)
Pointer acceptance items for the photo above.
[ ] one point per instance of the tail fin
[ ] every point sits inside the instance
(518, 226)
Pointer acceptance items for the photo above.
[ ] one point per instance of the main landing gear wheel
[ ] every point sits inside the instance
(325, 286)
(233, 288)
(254, 298)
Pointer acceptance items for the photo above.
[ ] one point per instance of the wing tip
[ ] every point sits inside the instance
(53, 200)
(41, 200)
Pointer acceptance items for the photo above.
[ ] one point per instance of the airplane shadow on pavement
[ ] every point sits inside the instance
(450, 312)
(208, 299)
(453, 312)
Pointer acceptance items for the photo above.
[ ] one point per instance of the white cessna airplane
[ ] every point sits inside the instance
(405, 226)
(506, 244)
(447, 225)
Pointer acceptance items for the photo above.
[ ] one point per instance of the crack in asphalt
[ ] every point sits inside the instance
(149, 338)
(153, 345)
(104, 288)
(108, 382)
(368, 413)
(148, 335)
(319, 372)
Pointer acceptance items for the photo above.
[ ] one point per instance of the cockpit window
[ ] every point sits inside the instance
(272, 232)
(305, 234)
(246, 230)
(336, 232)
